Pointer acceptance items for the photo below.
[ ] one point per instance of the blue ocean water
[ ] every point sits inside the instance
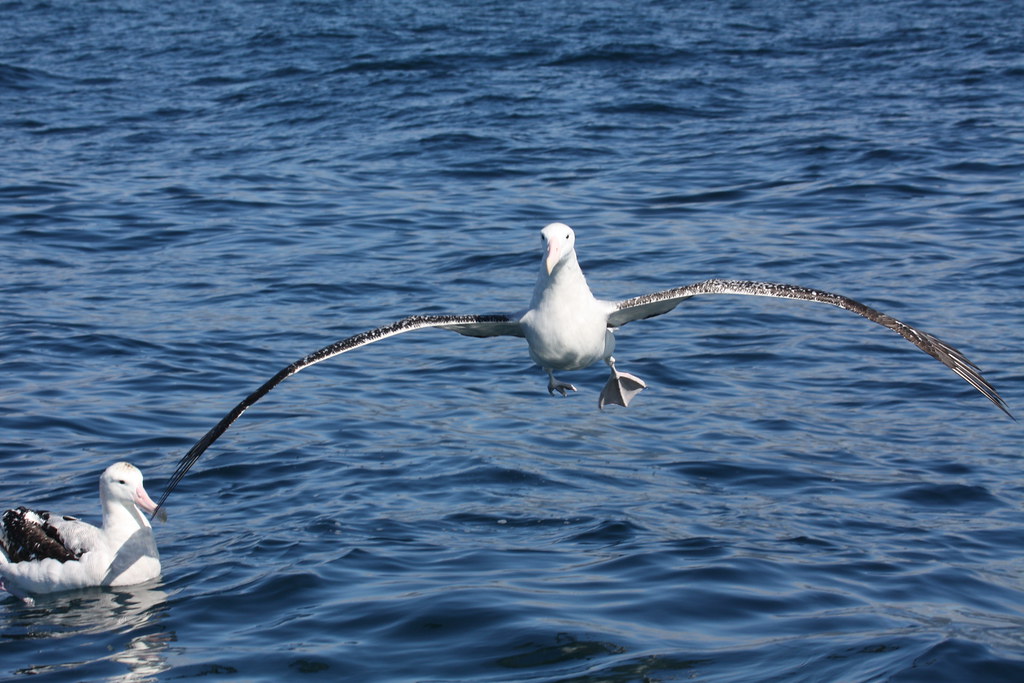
(195, 194)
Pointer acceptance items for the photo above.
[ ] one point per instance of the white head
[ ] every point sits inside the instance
(122, 483)
(559, 241)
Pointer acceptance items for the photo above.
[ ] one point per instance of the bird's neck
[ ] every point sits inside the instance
(121, 519)
(565, 283)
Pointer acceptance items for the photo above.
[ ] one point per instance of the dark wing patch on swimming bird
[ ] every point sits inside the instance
(27, 535)
(650, 305)
(469, 325)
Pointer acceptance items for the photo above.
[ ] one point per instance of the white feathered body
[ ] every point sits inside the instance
(106, 561)
(566, 327)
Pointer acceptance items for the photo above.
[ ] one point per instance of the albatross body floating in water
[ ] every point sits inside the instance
(567, 328)
(41, 552)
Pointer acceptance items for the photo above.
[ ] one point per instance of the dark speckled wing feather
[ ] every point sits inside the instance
(650, 305)
(28, 535)
(469, 325)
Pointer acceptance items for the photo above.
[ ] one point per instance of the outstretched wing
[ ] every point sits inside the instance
(650, 305)
(469, 325)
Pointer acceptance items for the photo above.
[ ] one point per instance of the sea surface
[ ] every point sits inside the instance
(195, 194)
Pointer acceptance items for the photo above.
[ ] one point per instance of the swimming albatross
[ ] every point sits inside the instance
(41, 552)
(567, 328)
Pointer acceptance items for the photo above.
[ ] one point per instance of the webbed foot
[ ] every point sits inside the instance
(620, 388)
(554, 385)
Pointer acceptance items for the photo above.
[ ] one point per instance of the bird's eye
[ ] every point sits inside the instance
(121, 481)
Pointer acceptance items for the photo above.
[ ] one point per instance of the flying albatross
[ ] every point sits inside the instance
(41, 552)
(567, 328)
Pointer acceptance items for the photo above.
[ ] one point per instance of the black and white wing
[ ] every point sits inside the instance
(650, 305)
(31, 535)
(469, 325)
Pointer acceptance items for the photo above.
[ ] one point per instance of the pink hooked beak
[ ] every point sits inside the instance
(143, 500)
(554, 255)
